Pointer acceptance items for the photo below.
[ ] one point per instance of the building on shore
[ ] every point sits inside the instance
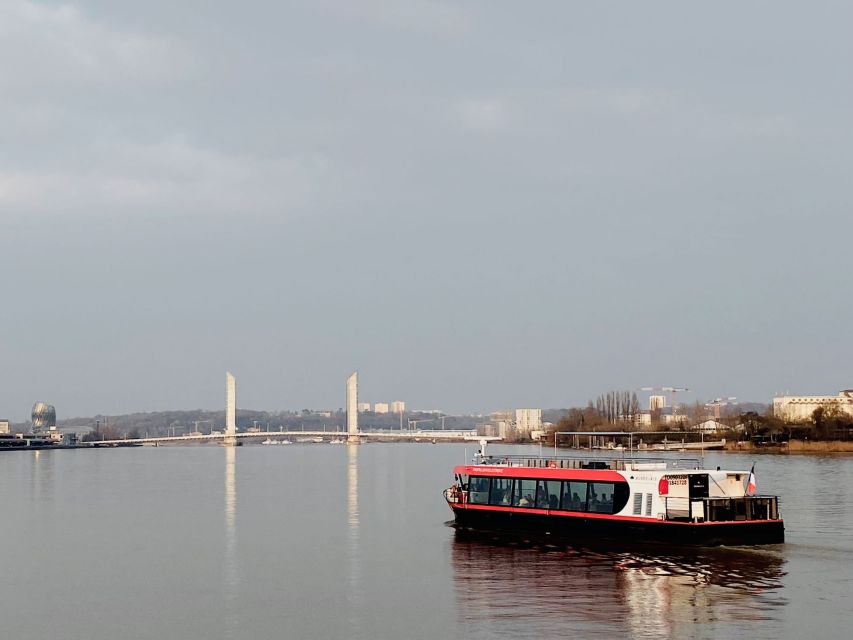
(44, 421)
(5, 426)
(801, 408)
(527, 421)
(712, 427)
(398, 406)
(363, 407)
(380, 407)
(501, 424)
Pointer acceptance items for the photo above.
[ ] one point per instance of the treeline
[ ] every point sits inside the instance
(617, 406)
(826, 423)
(612, 407)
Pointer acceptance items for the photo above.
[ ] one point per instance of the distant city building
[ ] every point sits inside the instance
(501, 422)
(528, 420)
(657, 402)
(363, 406)
(380, 407)
(44, 421)
(487, 429)
(4, 426)
(43, 417)
(398, 406)
(801, 408)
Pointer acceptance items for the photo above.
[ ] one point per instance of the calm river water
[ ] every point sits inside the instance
(319, 541)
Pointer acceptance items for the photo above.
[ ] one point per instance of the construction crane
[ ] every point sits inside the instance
(413, 424)
(716, 403)
(673, 392)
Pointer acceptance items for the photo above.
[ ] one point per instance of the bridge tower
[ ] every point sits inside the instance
(230, 439)
(352, 409)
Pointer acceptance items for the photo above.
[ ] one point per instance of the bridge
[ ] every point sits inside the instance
(446, 436)
(353, 434)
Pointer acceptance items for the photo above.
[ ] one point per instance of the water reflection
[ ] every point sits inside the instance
(232, 574)
(639, 592)
(353, 552)
(42, 475)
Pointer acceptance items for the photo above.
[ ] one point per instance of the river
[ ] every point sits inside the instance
(320, 541)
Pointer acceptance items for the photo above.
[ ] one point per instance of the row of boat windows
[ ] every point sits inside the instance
(565, 495)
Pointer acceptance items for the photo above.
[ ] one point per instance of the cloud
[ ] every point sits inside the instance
(43, 48)
(618, 100)
(418, 15)
(483, 115)
(171, 176)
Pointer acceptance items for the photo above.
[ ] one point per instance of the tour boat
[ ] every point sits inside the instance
(627, 499)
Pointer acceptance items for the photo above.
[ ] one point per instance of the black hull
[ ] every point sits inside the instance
(570, 529)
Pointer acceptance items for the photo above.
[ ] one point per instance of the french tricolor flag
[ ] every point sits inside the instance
(750, 486)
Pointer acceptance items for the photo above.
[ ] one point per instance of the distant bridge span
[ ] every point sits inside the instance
(362, 435)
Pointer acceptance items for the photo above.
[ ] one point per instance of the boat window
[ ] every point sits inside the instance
(525, 493)
(574, 496)
(548, 494)
(648, 504)
(501, 491)
(478, 490)
(600, 497)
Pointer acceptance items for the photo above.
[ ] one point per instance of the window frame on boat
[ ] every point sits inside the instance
(545, 492)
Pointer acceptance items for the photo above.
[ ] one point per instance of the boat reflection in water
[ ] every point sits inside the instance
(643, 592)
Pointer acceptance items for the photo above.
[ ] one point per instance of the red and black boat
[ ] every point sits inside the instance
(628, 499)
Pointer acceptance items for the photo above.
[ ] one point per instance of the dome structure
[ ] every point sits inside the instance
(44, 416)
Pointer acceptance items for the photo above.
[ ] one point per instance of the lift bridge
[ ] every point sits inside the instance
(353, 434)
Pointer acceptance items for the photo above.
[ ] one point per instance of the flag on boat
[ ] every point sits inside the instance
(750, 485)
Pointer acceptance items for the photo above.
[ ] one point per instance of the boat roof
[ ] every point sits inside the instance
(579, 467)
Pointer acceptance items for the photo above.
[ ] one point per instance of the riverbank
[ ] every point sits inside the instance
(795, 446)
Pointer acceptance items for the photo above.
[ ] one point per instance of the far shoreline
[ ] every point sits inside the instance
(793, 446)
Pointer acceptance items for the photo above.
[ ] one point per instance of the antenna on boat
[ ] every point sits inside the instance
(482, 452)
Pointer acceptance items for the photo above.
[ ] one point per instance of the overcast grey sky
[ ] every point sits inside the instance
(475, 204)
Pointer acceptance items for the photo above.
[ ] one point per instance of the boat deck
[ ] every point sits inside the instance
(624, 463)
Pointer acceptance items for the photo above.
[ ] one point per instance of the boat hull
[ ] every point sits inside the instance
(565, 528)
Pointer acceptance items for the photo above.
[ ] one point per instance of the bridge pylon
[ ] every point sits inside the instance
(230, 439)
(352, 409)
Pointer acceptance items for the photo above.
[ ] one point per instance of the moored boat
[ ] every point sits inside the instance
(628, 499)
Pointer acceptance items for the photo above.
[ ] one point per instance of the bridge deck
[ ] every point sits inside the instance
(395, 435)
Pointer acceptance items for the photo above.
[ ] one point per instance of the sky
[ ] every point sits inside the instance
(477, 205)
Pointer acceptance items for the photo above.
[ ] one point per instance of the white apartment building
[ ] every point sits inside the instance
(4, 426)
(380, 407)
(657, 402)
(363, 406)
(527, 420)
(398, 406)
(801, 408)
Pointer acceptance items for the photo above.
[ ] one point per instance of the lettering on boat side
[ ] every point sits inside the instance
(677, 480)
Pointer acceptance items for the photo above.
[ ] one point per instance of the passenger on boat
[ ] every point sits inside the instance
(526, 501)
